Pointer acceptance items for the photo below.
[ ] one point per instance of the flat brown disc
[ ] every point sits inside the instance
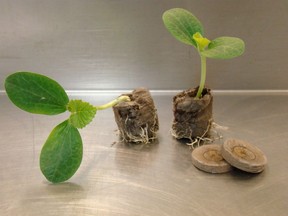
(244, 156)
(208, 158)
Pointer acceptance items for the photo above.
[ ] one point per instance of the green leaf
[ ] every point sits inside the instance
(224, 48)
(182, 25)
(36, 93)
(82, 113)
(62, 153)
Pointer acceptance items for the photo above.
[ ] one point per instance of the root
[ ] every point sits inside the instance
(146, 135)
(142, 137)
(190, 132)
(177, 136)
(203, 140)
(214, 125)
(214, 135)
(198, 139)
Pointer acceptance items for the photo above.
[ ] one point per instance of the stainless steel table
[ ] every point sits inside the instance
(156, 179)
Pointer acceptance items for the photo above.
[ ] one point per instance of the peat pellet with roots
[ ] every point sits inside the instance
(192, 116)
(137, 120)
(208, 158)
(244, 156)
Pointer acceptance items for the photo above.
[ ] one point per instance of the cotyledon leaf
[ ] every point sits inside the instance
(82, 113)
(36, 93)
(182, 25)
(62, 153)
(224, 48)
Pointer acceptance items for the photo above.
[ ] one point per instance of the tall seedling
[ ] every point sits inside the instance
(185, 27)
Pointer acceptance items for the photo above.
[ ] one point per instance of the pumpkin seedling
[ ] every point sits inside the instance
(62, 152)
(193, 107)
(185, 27)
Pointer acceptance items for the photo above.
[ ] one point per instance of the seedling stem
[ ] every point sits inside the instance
(113, 102)
(203, 76)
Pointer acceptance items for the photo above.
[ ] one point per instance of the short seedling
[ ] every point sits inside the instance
(185, 27)
(62, 152)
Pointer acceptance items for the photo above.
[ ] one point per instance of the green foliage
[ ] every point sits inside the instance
(182, 25)
(62, 152)
(185, 27)
(82, 113)
(224, 48)
(36, 93)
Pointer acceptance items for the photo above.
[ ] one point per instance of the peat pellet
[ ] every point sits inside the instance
(209, 159)
(137, 120)
(192, 116)
(244, 155)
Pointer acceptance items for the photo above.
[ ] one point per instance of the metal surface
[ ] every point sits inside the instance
(123, 44)
(112, 45)
(156, 179)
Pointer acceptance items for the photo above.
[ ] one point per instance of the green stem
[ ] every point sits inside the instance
(203, 76)
(113, 102)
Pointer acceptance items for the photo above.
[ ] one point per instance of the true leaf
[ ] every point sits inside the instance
(202, 42)
(82, 113)
(224, 48)
(61, 154)
(182, 25)
(36, 93)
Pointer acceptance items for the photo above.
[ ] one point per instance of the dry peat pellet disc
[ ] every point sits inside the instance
(209, 159)
(244, 156)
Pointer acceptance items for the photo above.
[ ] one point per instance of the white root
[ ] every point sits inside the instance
(196, 142)
(220, 127)
(142, 137)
